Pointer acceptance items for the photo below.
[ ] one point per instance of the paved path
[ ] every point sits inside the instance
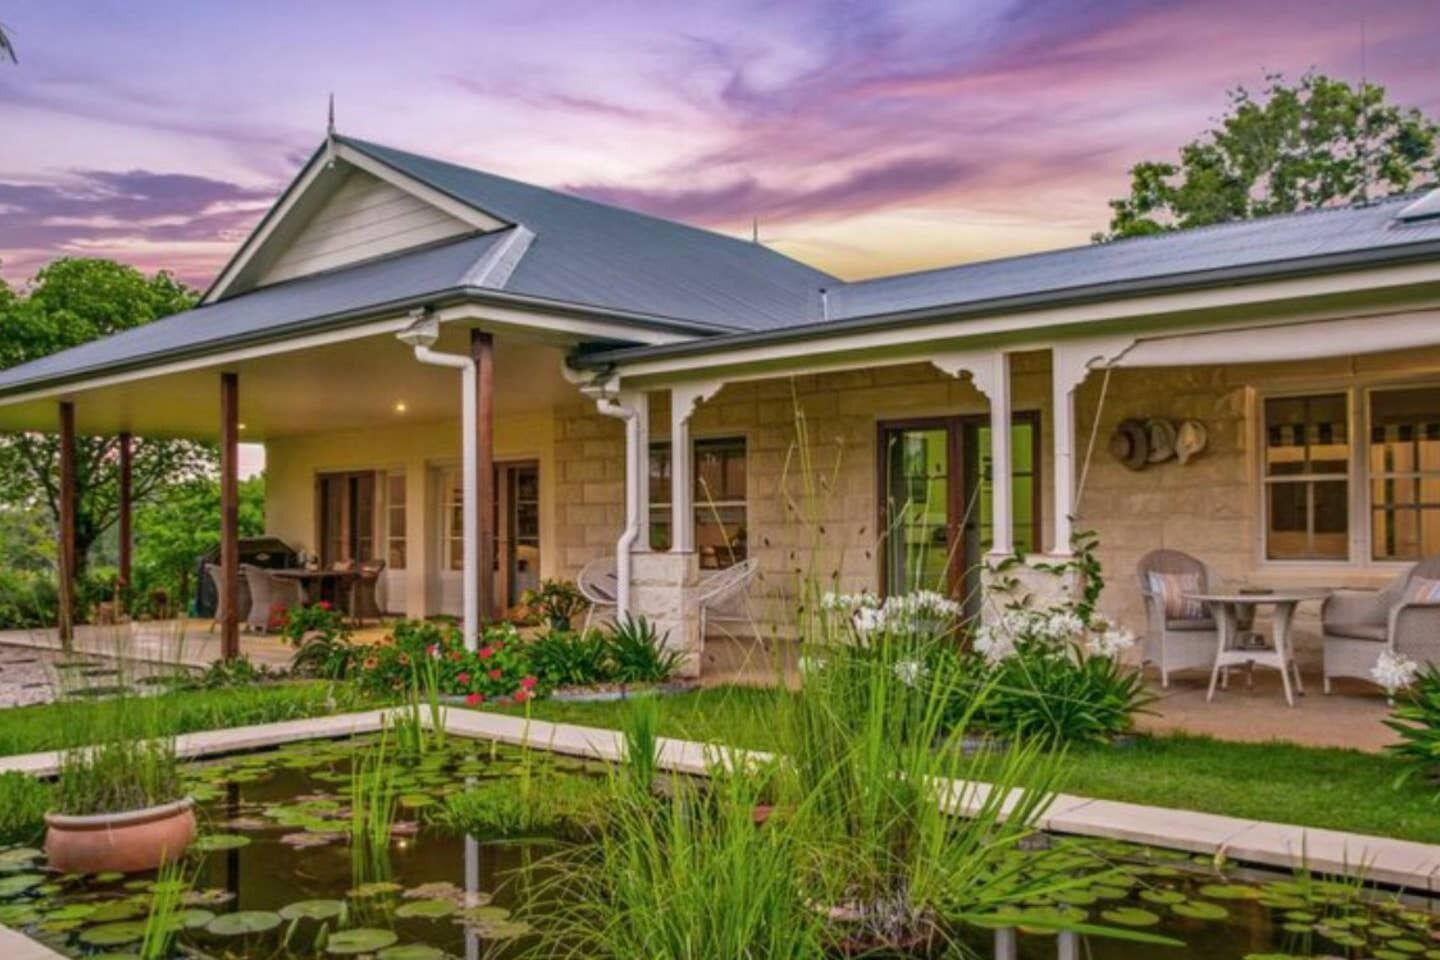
(1404, 863)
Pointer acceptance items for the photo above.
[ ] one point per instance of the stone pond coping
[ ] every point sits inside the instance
(1401, 863)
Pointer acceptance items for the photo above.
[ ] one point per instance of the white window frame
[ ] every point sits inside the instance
(391, 507)
(1357, 390)
(700, 503)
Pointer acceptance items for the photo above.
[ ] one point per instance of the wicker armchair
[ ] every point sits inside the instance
(268, 594)
(364, 593)
(1359, 625)
(1173, 643)
(212, 570)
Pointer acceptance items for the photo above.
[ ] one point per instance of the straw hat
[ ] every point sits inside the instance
(1130, 444)
(1191, 440)
(1161, 434)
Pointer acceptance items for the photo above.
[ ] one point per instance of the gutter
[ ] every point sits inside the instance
(608, 359)
(347, 318)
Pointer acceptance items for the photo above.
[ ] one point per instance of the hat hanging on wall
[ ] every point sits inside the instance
(1161, 435)
(1130, 444)
(1191, 440)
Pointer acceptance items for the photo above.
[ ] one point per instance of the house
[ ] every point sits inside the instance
(483, 382)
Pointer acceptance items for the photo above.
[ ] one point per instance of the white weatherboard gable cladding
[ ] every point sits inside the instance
(365, 217)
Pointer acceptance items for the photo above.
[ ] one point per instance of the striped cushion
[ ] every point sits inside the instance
(1422, 590)
(1170, 590)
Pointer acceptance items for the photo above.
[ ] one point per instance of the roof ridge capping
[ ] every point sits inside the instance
(1427, 207)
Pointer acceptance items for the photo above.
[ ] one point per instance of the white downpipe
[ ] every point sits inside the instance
(422, 335)
(625, 409)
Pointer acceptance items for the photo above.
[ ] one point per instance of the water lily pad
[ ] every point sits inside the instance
(359, 940)
(376, 888)
(219, 841)
(118, 910)
(411, 951)
(416, 800)
(1231, 891)
(243, 922)
(1130, 917)
(312, 910)
(71, 911)
(113, 934)
(194, 918)
(1200, 910)
(430, 909)
(16, 884)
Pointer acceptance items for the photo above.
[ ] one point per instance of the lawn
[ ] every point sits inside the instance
(54, 726)
(1313, 787)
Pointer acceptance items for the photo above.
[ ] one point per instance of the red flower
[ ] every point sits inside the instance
(324, 605)
(486, 653)
(528, 683)
(455, 655)
(371, 663)
(404, 659)
(463, 679)
(496, 674)
(520, 696)
(474, 699)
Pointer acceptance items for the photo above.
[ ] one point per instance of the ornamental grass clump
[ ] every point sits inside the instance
(118, 775)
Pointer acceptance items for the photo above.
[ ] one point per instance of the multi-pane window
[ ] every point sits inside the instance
(720, 515)
(1404, 473)
(395, 521)
(1307, 477)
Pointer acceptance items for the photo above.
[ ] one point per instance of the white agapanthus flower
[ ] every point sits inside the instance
(1111, 642)
(808, 664)
(910, 672)
(1394, 672)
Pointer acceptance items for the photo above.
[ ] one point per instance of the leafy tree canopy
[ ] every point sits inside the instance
(168, 538)
(1316, 143)
(70, 302)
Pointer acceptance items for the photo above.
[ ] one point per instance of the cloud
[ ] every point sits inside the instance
(155, 220)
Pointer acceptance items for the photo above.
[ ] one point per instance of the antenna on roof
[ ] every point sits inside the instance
(330, 134)
(754, 229)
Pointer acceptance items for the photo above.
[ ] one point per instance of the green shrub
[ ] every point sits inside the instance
(24, 801)
(1416, 719)
(561, 658)
(500, 809)
(638, 653)
(1062, 694)
(28, 600)
(555, 603)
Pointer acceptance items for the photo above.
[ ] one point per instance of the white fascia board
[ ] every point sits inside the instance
(1031, 329)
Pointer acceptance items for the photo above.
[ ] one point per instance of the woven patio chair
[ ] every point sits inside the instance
(1181, 635)
(1404, 617)
(212, 570)
(364, 593)
(598, 585)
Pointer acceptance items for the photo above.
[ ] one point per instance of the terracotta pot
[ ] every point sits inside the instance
(126, 842)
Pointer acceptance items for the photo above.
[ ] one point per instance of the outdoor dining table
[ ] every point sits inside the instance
(332, 586)
(1225, 607)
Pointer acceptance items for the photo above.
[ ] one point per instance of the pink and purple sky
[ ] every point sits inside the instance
(868, 138)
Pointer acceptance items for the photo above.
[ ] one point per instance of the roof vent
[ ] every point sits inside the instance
(1425, 208)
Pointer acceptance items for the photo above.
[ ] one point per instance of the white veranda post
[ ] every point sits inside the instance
(682, 473)
(1001, 505)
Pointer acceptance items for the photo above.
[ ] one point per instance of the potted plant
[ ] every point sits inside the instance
(119, 807)
(556, 602)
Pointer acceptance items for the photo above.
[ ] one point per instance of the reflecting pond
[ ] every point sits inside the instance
(275, 877)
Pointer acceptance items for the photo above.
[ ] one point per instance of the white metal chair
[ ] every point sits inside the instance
(1176, 643)
(599, 586)
(725, 596)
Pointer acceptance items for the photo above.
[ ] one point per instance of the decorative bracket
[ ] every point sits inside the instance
(685, 398)
(984, 367)
(1072, 360)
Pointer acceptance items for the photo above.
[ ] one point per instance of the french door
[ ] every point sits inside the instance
(348, 517)
(935, 500)
(517, 531)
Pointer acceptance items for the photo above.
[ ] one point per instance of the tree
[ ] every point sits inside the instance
(169, 540)
(7, 49)
(1317, 143)
(70, 302)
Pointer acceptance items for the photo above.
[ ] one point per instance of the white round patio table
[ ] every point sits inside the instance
(1225, 607)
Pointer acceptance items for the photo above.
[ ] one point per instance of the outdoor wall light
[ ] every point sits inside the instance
(400, 406)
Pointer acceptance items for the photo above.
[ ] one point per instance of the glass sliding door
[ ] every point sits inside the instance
(936, 509)
(348, 518)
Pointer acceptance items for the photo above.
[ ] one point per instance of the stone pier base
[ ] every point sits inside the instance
(1008, 582)
(663, 590)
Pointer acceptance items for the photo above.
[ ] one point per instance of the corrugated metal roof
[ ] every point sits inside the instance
(1275, 239)
(267, 311)
(593, 254)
